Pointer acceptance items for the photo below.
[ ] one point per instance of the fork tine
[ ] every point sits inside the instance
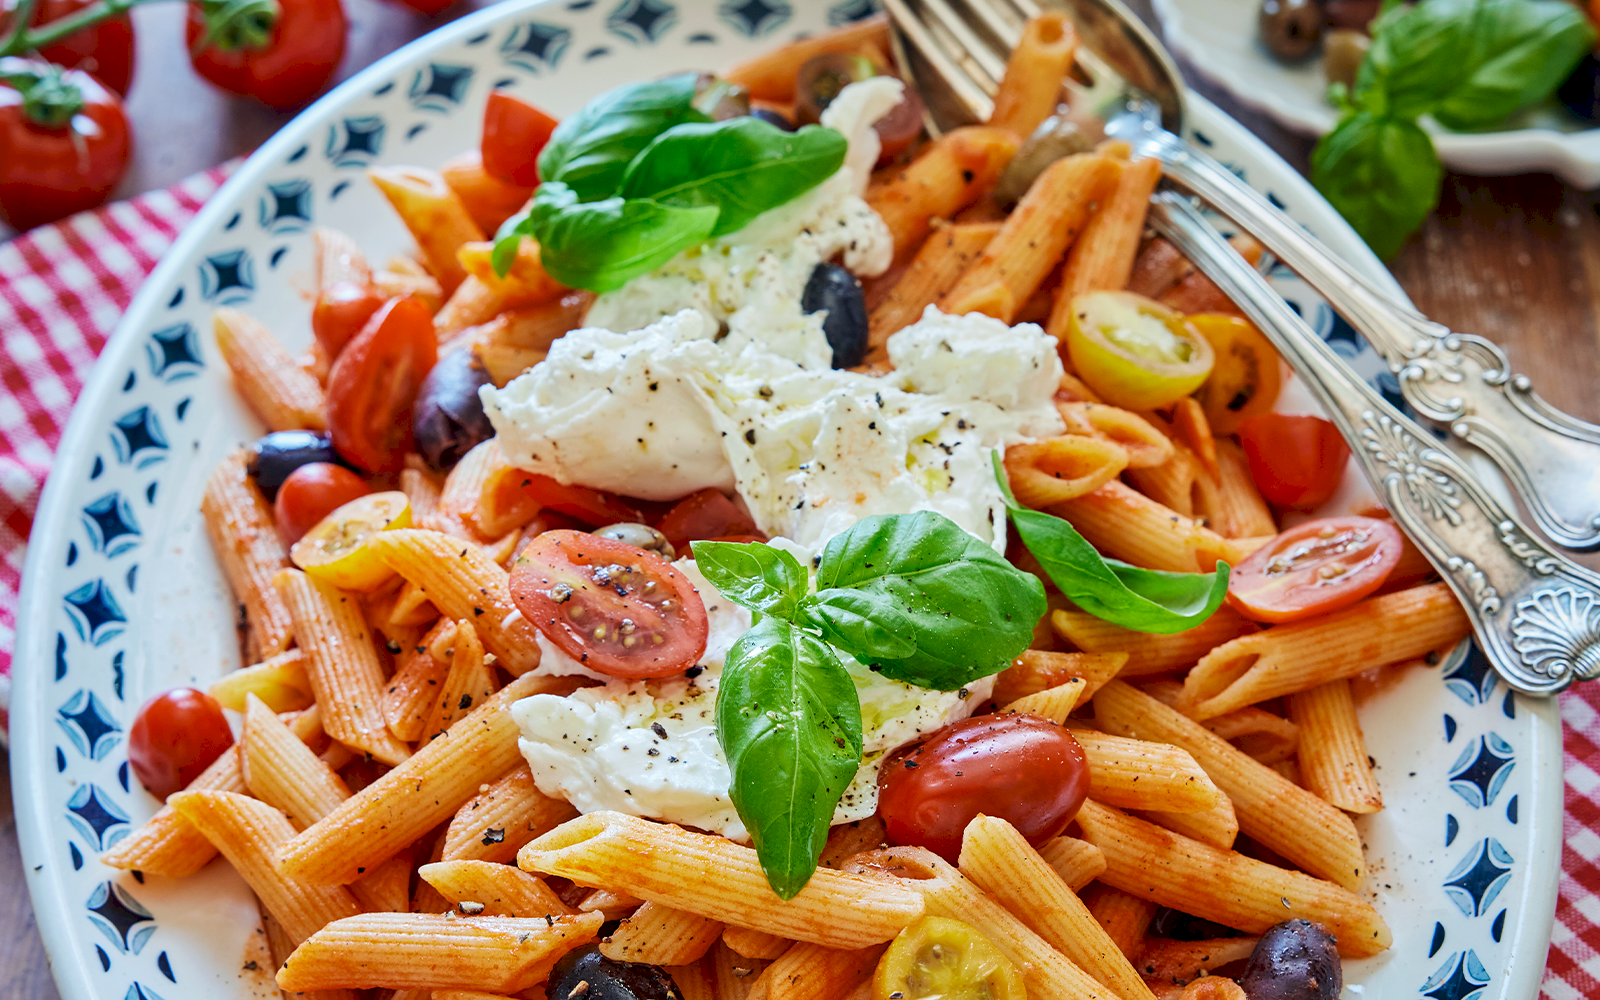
(964, 44)
(1004, 25)
(964, 89)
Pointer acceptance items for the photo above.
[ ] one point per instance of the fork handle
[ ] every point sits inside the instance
(1463, 381)
(1536, 613)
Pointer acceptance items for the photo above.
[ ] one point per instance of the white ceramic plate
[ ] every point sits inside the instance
(1219, 38)
(123, 599)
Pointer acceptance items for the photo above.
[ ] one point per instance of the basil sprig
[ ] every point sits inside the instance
(1145, 600)
(641, 174)
(910, 595)
(1468, 64)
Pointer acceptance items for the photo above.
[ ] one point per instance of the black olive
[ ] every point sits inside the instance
(1180, 926)
(607, 980)
(822, 77)
(833, 288)
(1055, 138)
(273, 457)
(448, 419)
(640, 536)
(1290, 29)
(772, 117)
(1580, 92)
(1294, 960)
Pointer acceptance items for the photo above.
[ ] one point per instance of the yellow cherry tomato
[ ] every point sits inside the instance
(336, 552)
(1246, 377)
(937, 958)
(1135, 352)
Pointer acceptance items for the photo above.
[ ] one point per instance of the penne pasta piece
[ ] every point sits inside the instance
(1158, 266)
(1147, 652)
(1302, 655)
(757, 944)
(1146, 445)
(463, 582)
(1138, 774)
(814, 972)
(1102, 258)
(385, 889)
(459, 995)
(422, 287)
(1001, 862)
(1193, 429)
(1266, 737)
(417, 795)
(950, 174)
(848, 839)
(1333, 752)
(244, 534)
(1218, 826)
(733, 976)
(1146, 861)
(500, 890)
(248, 833)
(435, 951)
(283, 395)
(169, 845)
(1073, 389)
(697, 981)
(282, 771)
(1178, 483)
(1078, 862)
(341, 664)
(1035, 70)
(1236, 509)
(661, 935)
(1125, 918)
(421, 490)
(1046, 972)
(1211, 987)
(410, 693)
(1288, 819)
(657, 862)
(472, 303)
(1188, 962)
(434, 214)
(936, 268)
(336, 258)
(1033, 238)
(489, 200)
(469, 681)
(279, 948)
(279, 681)
(615, 905)
(1126, 524)
(1043, 473)
(1038, 670)
(526, 282)
(503, 816)
(1054, 703)
(770, 76)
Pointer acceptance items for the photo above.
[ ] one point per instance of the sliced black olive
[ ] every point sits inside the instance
(1180, 926)
(822, 77)
(1290, 29)
(1294, 960)
(772, 117)
(719, 99)
(448, 419)
(607, 980)
(640, 536)
(1342, 53)
(273, 457)
(1580, 92)
(1056, 137)
(833, 288)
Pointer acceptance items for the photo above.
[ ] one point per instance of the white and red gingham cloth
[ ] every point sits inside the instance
(63, 288)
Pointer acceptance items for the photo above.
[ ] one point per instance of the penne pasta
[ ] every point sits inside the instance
(1217, 826)
(733, 976)
(1192, 428)
(936, 268)
(1333, 752)
(661, 935)
(1127, 525)
(1146, 445)
(1054, 703)
(1035, 70)
(1078, 862)
(1125, 918)
(757, 944)
(471, 303)
(1210, 987)
(1178, 483)
(421, 490)
(410, 693)
(615, 905)
(1043, 473)
(950, 174)
(1147, 652)
(283, 395)
(1102, 258)
(492, 890)
(489, 200)
(1236, 508)
(1138, 774)
(169, 845)
(282, 771)
(385, 889)
(696, 981)
(434, 214)
(422, 287)
(849, 839)
(1181, 962)
(525, 283)
(244, 535)
(469, 681)
(337, 259)
(814, 972)
(502, 817)
(770, 76)
(1038, 670)
(279, 681)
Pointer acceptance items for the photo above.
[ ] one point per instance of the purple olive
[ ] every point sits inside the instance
(448, 420)
(1294, 960)
(276, 455)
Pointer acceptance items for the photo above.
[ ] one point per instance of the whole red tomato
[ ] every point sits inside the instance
(105, 50)
(280, 53)
(63, 142)
(175, 736)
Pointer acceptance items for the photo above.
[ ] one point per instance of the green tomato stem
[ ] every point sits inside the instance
(22, 39)
(20, 19)
(232, 25)
(47, 98)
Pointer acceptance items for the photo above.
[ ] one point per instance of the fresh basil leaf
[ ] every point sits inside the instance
(1382, 174)
(972, 611)
(1144, 600)
(760, 577)
(590, 151)
(1522, 50)
(599, 245)
(867, 626)
(744, 166)
(1418, 55)
(789, 723)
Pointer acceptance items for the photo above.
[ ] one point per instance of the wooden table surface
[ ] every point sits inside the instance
(1515, 259)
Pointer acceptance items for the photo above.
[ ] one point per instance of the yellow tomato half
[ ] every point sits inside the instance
(1246, 377)
(1135, 352)
(937, 958)
(336, 552)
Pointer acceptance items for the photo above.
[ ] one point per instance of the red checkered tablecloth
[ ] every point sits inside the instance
(63, 288)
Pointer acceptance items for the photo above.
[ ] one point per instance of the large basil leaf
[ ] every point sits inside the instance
(1382, 175)
(972, 611)
(869, 626)
(789, 722)
(744, 166)
(1418, 54)
(752, 575)
(591, 150)
(599, 245)
(1522, 49)
(1144, 600)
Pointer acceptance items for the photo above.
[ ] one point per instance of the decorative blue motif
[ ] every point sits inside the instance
(1461, 977)
(355, 142)
(97, 818)
(174, 352)
(95, 613)
(228, 278)
(110, 524)
(439, 88)
(642, 22)
(1474, 883)
(1481, 770)
(139, 439)
(140, 992)
(535, 47)
(1471, 679)
(120, 917)
(754, 18)
(286, 207)
(88, 725)
(850, 10)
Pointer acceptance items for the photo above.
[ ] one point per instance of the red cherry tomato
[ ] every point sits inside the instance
(69, 157)
(282, 66)
(372, 384)
(898, 129)
(611, 606)
(429, 7)
(1315, 568)
(707, 514)
(1022, 768)
(514, 132)
(105, 51)
(1297, 462)
(341, 312)
(593, 507)
(176, 735)
(311, 493)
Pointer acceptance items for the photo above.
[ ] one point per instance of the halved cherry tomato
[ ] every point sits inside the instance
(1297, 462)
(373, 383)
(1022, 768)
(707, 514)
(592, 507)
(336, 551)
(340, 314)
(1315, 568)
(105, 51)
(1246, 377)
(312, 492)
(176, 735)
(282, 61)
(1135, 352)
(63, 142)
(514, 133)
(938, 958)
(611, 606)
